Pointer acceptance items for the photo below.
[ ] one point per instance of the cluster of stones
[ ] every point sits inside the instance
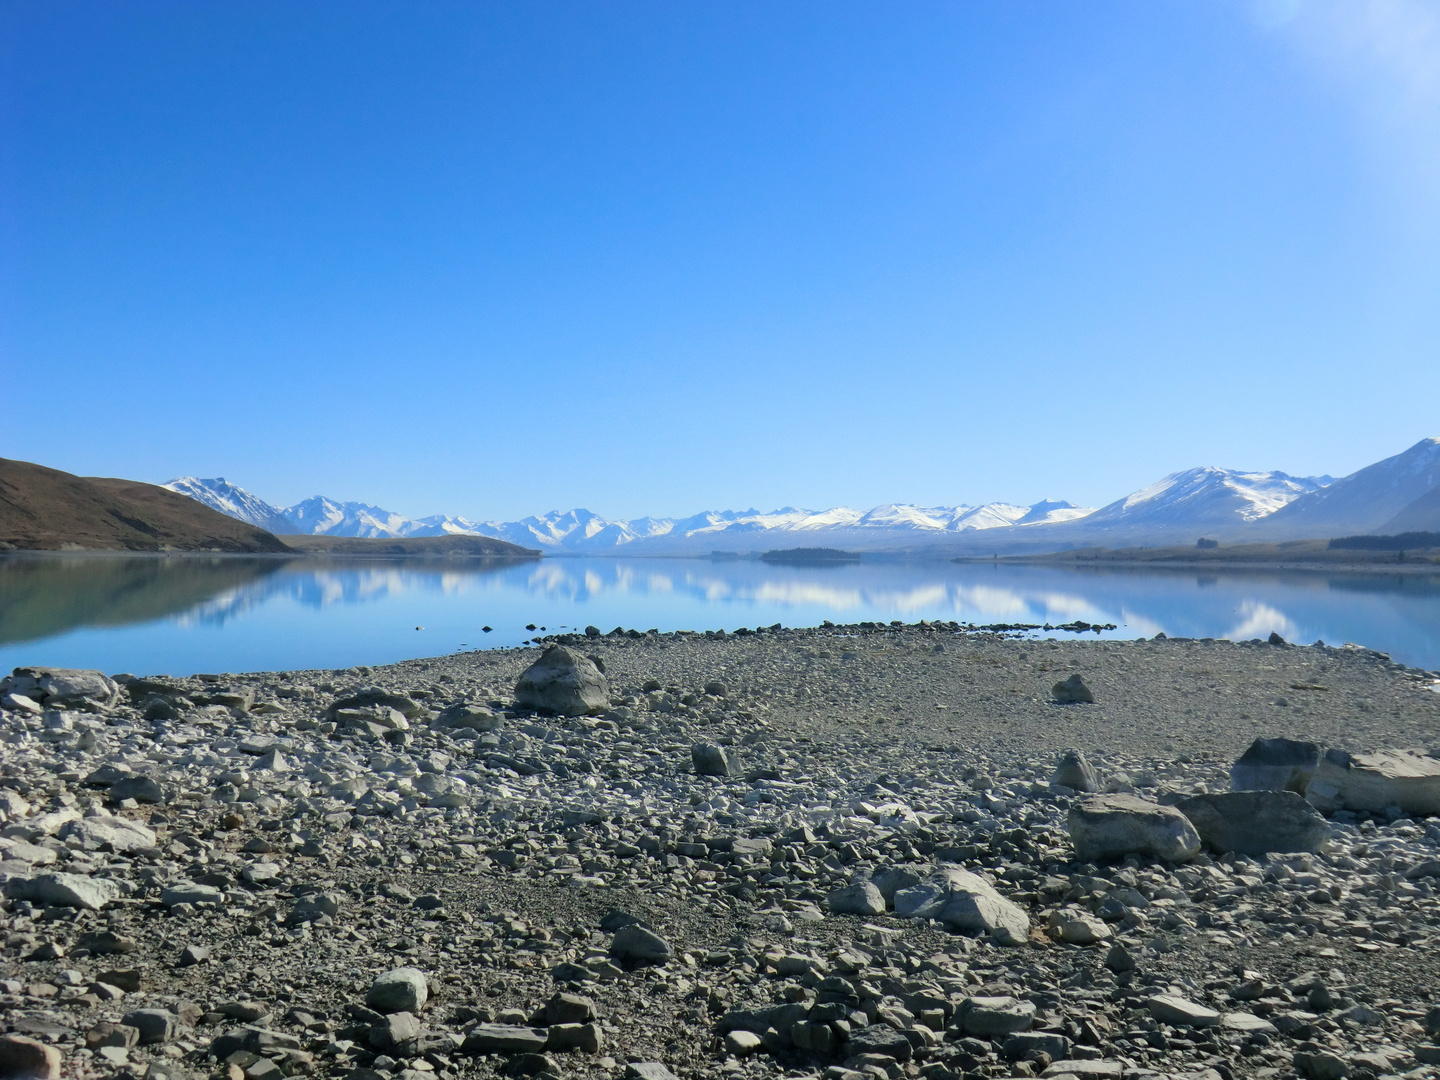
(452, 869)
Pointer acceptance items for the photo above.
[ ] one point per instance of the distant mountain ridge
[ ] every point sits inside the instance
(1225, 504)
(583, 530)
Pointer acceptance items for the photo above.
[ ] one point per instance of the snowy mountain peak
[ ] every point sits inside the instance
(219, 494)
(1206, 497)
(1048, 511)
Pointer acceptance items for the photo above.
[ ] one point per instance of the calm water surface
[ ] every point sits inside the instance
(184, 614)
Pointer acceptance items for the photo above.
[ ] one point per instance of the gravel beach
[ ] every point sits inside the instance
(399, 872)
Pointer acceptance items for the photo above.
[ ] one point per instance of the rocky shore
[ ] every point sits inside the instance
(848, 852)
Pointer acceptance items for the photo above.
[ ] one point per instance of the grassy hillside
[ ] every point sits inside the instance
(45, 509)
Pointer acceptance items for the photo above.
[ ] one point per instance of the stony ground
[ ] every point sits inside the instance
(260, 847)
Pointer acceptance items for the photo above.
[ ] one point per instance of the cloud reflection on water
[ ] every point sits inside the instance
(327, 612)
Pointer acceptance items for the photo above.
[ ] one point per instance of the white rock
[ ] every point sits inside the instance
(58, 688)
(64, 890)
(965, 901)
(1406, 779)
(120, 833)
(1079, 927)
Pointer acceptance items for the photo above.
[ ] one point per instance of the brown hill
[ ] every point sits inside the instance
(48, 510)
(432, 546)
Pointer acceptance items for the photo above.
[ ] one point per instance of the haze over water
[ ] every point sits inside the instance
(178, 616)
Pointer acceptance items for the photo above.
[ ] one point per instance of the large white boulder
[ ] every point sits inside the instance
(121, 834)
(1404, 778)
(1113, 826)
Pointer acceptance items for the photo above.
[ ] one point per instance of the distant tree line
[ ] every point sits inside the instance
(810, 555)
(1399, 542)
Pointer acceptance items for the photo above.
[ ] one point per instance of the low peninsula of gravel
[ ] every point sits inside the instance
(396, 873)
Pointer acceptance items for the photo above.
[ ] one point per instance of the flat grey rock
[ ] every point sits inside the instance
(1113, 826)
(190, 892)
(1086, 1069)
(989, 1017)
(505, 1039)
(1170, 1009)
(64, 890)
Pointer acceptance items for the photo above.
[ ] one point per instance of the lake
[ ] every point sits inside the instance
(185, 614)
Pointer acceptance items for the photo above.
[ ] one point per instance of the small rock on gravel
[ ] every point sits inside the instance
(1073, 691)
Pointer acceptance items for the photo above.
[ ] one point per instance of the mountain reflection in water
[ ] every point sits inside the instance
(186, 613)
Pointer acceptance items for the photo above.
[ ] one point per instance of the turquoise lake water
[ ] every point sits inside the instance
(186, 614)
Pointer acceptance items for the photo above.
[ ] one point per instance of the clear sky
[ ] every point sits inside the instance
(655, 257)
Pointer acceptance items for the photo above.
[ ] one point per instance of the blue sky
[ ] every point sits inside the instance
(495, 259)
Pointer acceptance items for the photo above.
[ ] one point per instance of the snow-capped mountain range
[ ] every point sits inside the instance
(582, 530)
(1225, 504)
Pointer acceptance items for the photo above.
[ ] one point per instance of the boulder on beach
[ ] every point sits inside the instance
(399, 990)
(563, 682)
(862, 898)
(61, 688)
(964, 901)
(711, 760)
(1072, 691)
(1256, 822)
(1387, 778)
(1074, 772)
(1275, 765)
(1113, 826)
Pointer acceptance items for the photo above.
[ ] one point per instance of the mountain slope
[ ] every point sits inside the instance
(1365, 501)
(1208, 498)
(1422, 515)
(219, 494)
(46, 510)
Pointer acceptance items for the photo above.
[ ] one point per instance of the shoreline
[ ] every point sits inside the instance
(1405, 569)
